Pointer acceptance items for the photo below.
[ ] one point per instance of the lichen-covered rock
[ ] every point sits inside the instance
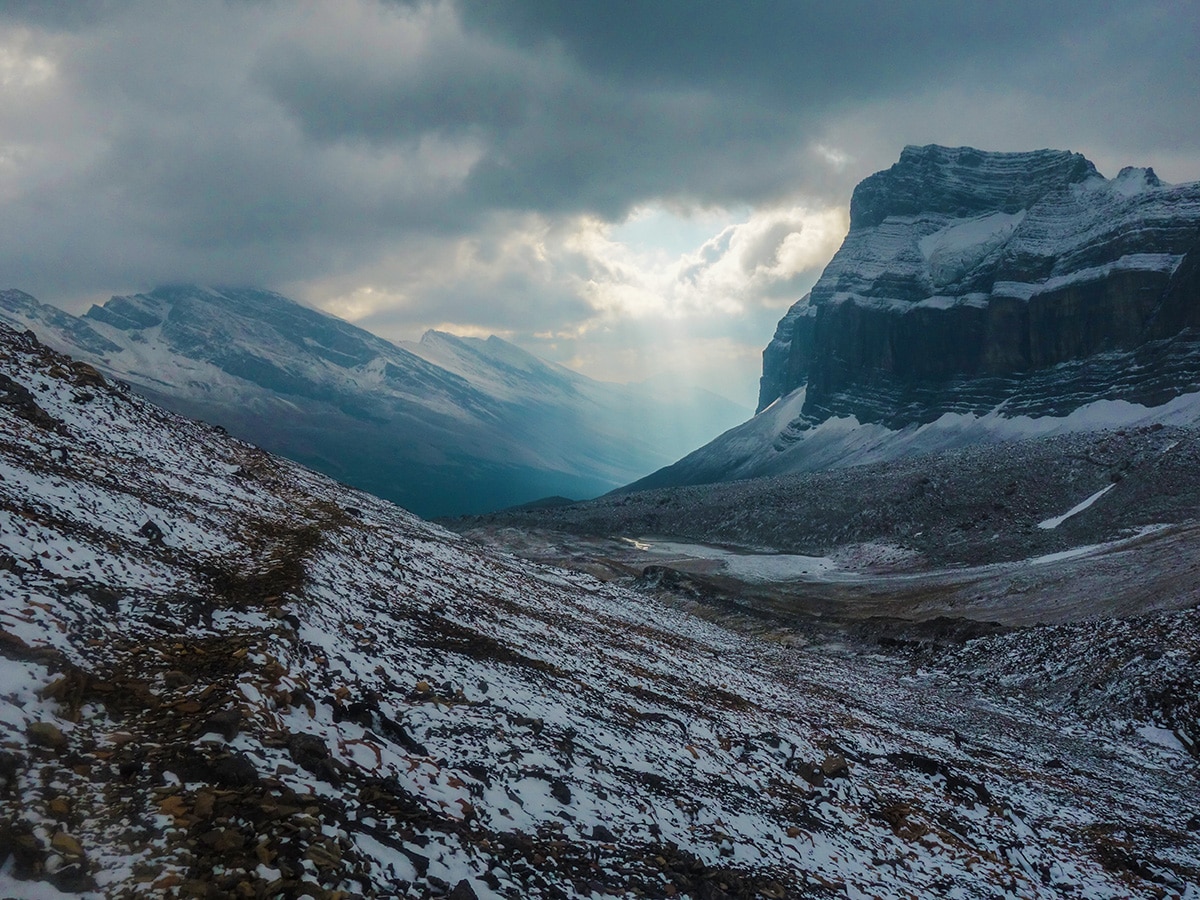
(46, 734)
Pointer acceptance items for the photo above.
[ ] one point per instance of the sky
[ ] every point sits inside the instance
(634, 189)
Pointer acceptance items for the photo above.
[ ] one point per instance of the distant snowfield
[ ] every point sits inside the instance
(754, 567)
(858, 563)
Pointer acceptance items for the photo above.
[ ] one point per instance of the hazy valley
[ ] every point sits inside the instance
(443, 426)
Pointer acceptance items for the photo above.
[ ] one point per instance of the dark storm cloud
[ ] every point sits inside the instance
(773, 48)
(293, 143)
(447, 86)
(554, 137)
(599, 106)
(65, 14)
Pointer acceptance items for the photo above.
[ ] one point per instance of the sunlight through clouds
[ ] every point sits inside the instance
(666, 293)
(21, 67)
(750, 264)
(362, 302)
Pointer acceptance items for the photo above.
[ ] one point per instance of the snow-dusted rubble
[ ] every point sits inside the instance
(224, 675)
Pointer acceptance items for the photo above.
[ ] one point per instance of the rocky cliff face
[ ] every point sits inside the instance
(979, 297)
(972, 279)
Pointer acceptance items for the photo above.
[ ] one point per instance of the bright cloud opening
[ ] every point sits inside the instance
(757, 262)
(21, 67)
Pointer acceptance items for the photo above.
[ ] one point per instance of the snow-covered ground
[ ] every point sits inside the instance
(762, 567)
(772, 444)
(224, 673)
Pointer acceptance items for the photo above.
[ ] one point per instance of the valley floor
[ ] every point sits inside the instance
(1153, 569)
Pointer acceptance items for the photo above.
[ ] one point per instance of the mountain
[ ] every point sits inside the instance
(446, 426)
(979, 296)
(226, 675)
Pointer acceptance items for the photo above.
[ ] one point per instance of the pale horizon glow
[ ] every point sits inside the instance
(653, 281)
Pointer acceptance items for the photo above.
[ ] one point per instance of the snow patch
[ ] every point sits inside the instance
(1055, 521)
(1162, 737)
(746, 565)
(955, 250)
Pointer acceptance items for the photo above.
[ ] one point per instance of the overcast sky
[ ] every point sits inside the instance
(630, 188)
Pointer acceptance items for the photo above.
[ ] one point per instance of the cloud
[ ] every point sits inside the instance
(512, 275)
(854, 50)
(762, 262)
(592, 295)
(588, 171)
(59, 14)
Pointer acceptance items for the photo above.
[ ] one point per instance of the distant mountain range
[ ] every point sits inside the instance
(445, 426)
(979, 296)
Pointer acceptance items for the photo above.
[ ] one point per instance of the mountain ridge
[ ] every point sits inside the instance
(367, 411)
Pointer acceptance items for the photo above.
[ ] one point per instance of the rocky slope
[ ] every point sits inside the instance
(975, 292)
(447, 425)
(972, 506)
(225, 675)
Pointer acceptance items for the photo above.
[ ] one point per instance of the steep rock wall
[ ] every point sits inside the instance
(972, 279)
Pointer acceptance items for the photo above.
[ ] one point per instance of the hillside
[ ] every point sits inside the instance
(969, 506)
(227, 675)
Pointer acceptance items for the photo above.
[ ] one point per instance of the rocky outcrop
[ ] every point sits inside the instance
(972, 279)
(786, 358)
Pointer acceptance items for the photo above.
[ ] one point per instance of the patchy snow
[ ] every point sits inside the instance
(1073, 553)
(1162, 737)
(1055, 521)
(402, 710)
(754, 567)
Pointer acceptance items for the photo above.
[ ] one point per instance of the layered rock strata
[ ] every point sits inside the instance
(970, 280)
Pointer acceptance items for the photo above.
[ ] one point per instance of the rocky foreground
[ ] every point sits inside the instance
(223, 675)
